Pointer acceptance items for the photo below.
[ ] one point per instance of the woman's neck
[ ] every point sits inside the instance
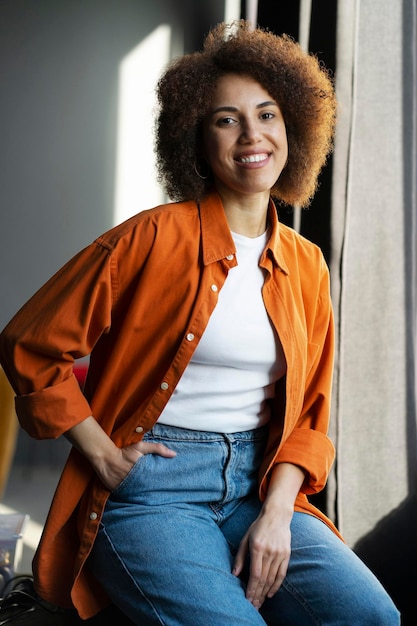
(246, 215)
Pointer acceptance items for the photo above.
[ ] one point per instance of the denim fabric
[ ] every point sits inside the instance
(164, 552)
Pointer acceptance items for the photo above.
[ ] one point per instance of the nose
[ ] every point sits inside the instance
(250, 132)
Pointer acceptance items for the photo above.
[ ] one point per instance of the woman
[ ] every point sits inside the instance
(203, 425)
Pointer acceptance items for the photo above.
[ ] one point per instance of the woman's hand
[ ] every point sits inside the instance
(114, 469)
(111, 464)
(268, 545)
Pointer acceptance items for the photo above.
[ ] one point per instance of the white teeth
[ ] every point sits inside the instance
(254, 158)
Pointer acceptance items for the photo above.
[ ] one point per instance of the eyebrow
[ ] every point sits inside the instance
(231, 109)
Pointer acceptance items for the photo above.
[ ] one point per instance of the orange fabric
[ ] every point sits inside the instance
(132, 298)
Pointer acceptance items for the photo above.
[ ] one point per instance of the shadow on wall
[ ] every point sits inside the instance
(390, 551)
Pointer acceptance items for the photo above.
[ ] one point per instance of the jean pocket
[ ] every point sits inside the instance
(132, 473)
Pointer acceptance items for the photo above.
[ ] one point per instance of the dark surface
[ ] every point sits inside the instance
(20, 605)
(390, 551)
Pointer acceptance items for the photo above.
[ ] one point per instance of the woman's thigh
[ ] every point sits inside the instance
(164, 552)
(174, 570)
(327, 584)
(160, 553)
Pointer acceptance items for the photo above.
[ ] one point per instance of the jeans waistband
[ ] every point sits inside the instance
(163, 431)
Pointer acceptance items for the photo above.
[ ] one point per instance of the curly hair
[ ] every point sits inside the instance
(296, 80)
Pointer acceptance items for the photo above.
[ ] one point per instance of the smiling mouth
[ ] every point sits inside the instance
(253, 158)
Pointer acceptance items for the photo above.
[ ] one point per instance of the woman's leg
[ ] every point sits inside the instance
(165, 548)
(160, 553)
(327, 584)
(175, 569)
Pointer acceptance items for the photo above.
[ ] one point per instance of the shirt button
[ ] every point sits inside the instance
(139, 429)
(214, 288)
(230, 257)
(190, 337)
(164, 386)
(93, 516)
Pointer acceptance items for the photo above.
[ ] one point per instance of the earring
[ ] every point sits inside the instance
(202, 176)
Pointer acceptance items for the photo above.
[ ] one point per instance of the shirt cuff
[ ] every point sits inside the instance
(50, 412)
(314, 452)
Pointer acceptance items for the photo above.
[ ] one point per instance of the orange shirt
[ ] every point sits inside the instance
(138, 299)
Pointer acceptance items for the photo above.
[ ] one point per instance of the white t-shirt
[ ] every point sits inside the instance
(239, 358)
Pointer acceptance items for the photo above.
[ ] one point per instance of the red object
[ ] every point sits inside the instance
(80, 372)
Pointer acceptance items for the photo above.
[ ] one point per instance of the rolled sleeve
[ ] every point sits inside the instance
(61, 323)
(50, 412)
(311, 450)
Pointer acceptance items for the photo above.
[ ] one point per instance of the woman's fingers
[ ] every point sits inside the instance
(137, 450)
(114, 471)
(266, 578)
(269, 550)
(156, 448)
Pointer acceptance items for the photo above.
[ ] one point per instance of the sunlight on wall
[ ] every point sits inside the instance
(304, 41)
(136, 187)
(252, 11)
(231, 10)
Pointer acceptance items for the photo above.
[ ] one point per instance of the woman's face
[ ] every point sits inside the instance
(244, 137)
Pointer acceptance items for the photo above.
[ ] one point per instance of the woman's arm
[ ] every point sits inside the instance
(110, 463)
(268, 539)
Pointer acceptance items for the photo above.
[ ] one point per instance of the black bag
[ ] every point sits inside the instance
(22, 606)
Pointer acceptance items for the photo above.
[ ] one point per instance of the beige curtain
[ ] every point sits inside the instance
(373, 263)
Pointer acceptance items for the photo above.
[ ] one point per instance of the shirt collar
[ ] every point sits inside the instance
(274, 244)
(216, 237)
(215, 232)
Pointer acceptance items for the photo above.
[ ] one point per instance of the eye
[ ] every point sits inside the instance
(226, 121)
(267, 115)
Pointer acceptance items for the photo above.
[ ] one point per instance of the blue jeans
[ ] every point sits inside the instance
(165, 548)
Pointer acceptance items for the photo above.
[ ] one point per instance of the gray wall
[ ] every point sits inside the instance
(58, 125)
(59, 80)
